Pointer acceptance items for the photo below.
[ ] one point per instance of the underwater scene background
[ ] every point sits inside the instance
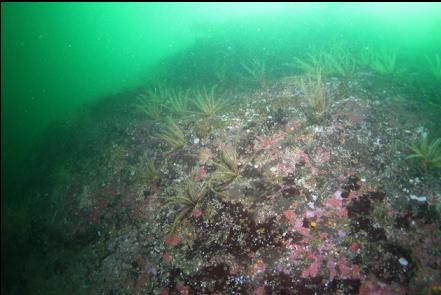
(221, 148)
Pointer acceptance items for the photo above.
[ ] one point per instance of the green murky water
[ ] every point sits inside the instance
(101, 94)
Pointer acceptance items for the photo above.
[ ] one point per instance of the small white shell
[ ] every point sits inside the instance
(403, 261)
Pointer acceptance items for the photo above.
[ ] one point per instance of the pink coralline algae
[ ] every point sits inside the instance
(355, 271)
(313, 269)
(290, 215)
(296, 223)
(342, 212)
(377, 288)
(167, 257)
(205, 155)
(309, 214)
(345, 270)
(258, 267)
(259, 291)
(263, 143)
(141, 280)
(183, 290)
(197, 212)
(332, 269)
(303, 231)
(334, 202)
(305, 157)
(354, 247)
(172, 241)
(201, 173)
